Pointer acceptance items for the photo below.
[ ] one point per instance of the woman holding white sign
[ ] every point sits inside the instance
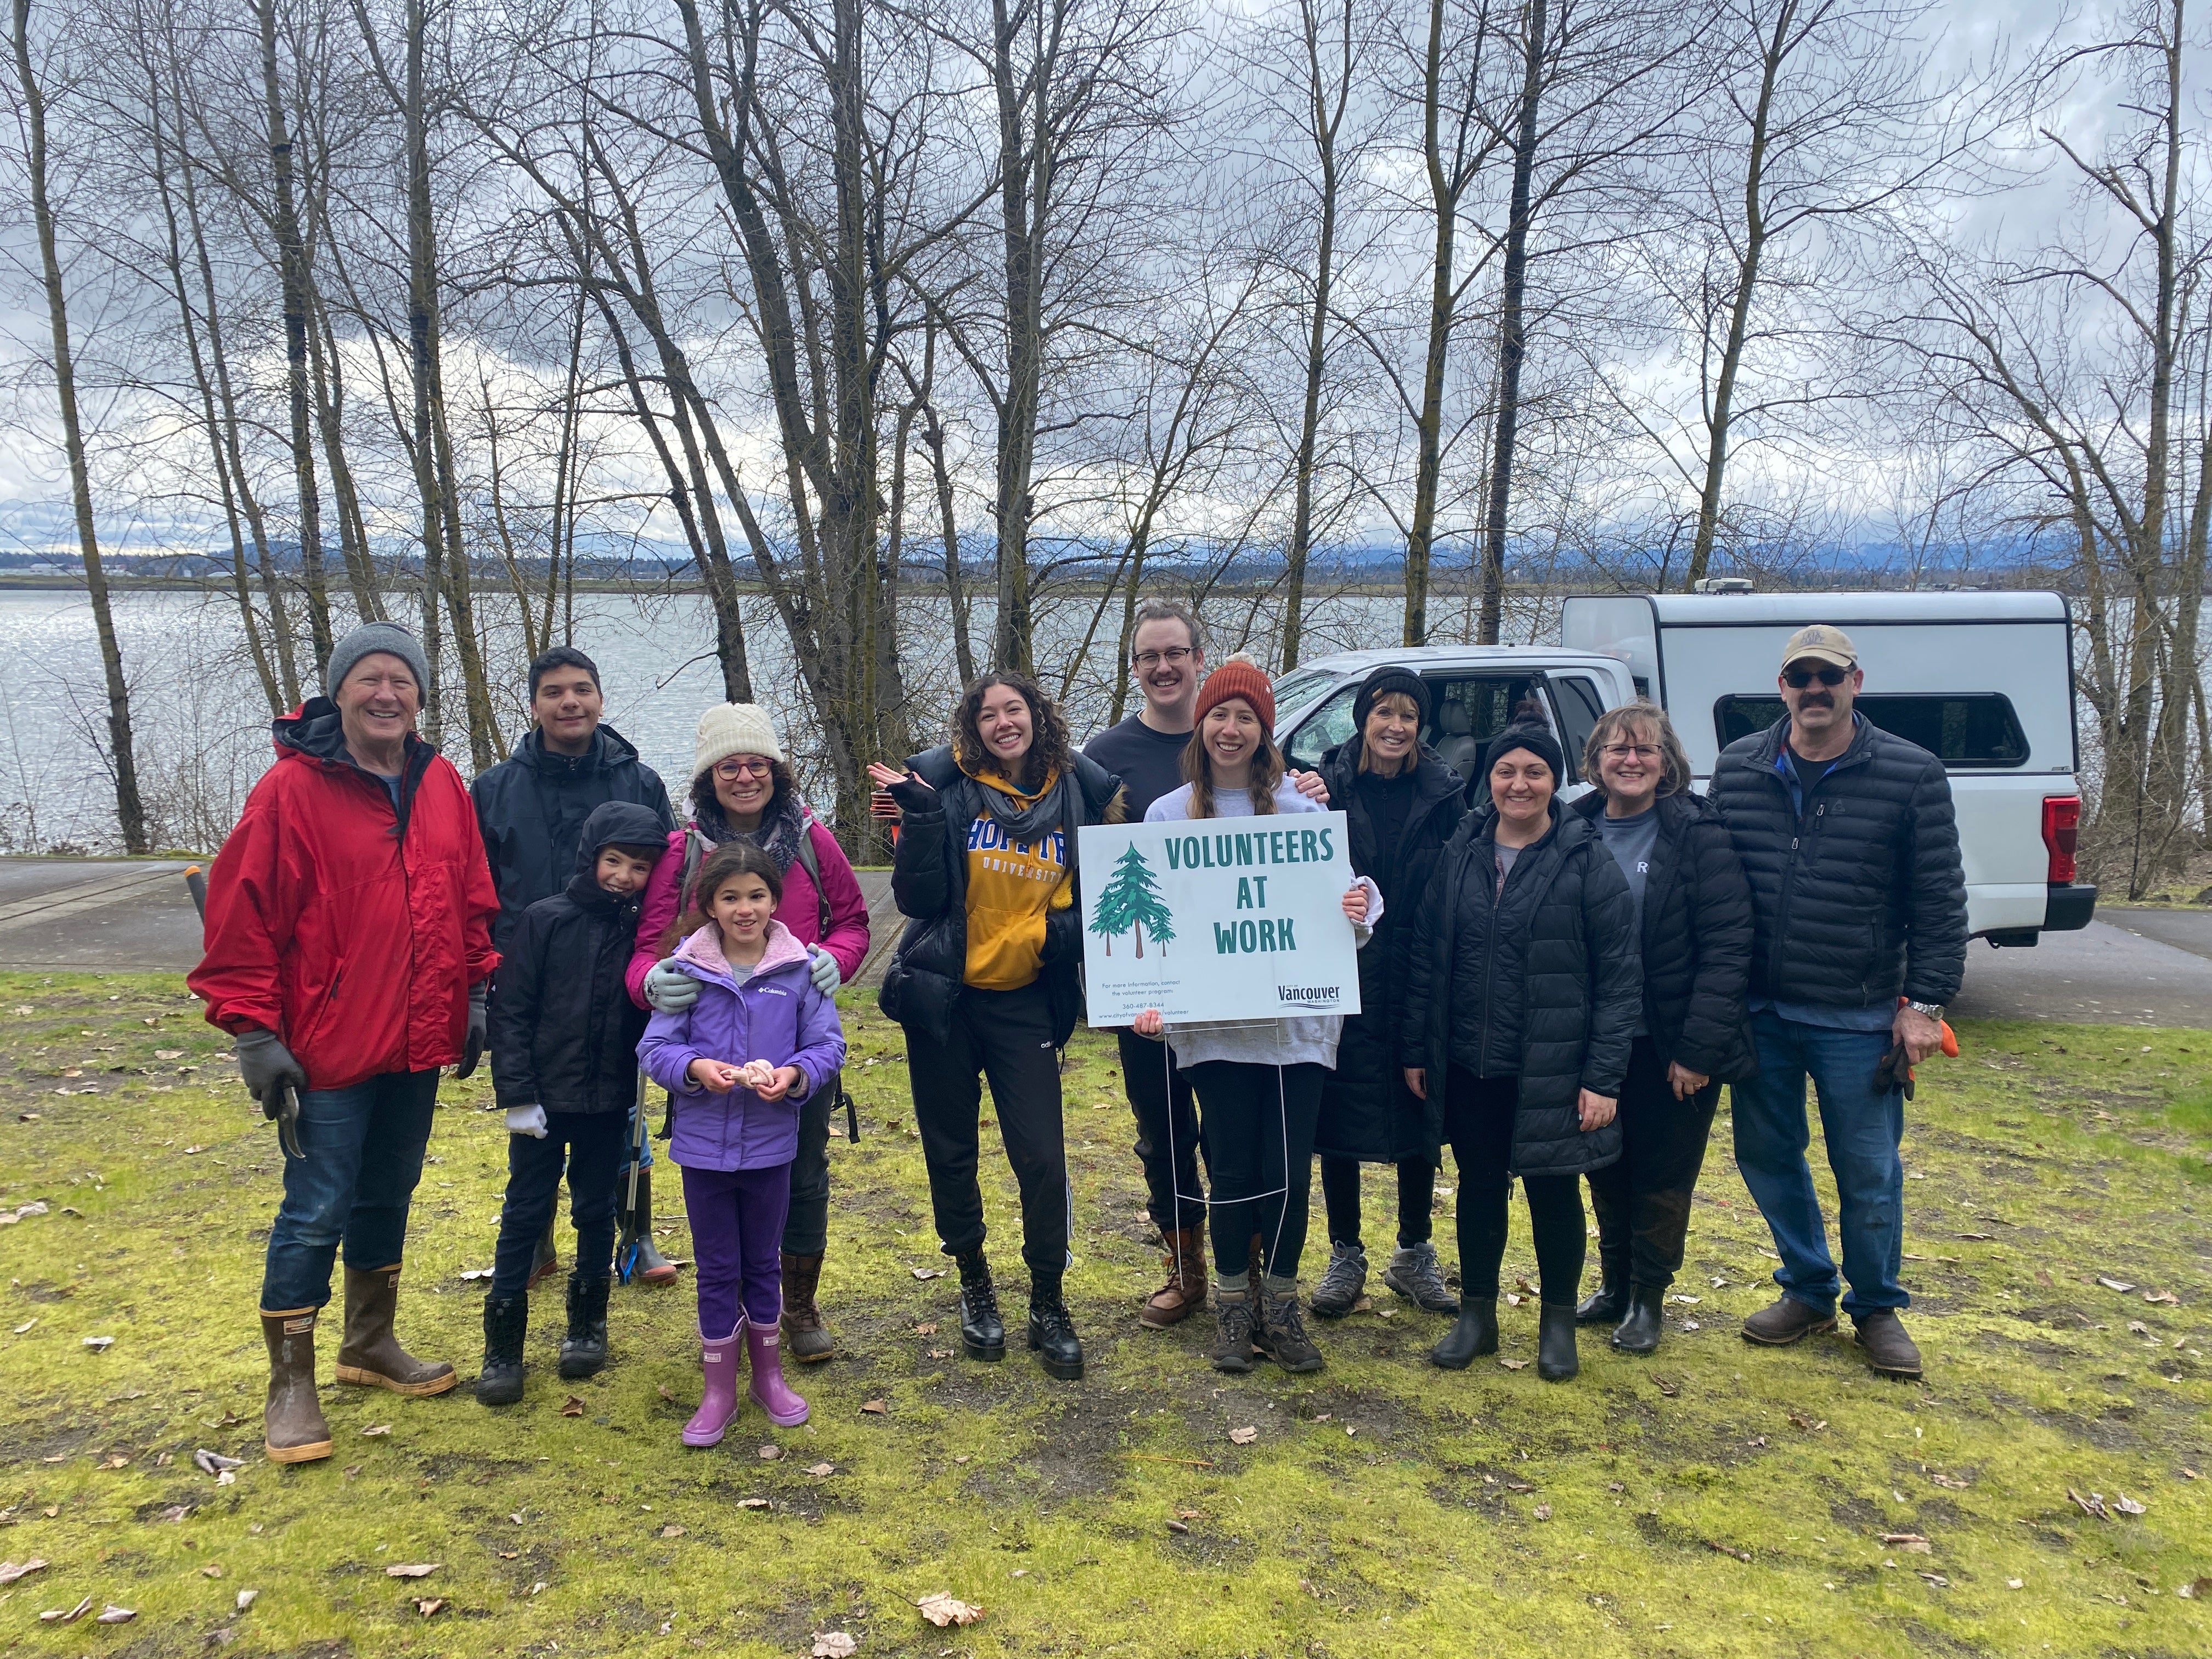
(1521, 994)
(1258, 1083)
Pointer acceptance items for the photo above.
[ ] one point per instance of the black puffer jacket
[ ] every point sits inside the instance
(1366, 1109)
(531, 807)
(1862, 897)
(929, 883)
(563, 1030)
(1539, 982)
(1697, 939)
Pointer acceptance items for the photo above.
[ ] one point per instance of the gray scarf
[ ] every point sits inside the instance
(781, 827)
(1032, 823)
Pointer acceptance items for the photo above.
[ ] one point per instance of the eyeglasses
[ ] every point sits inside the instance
(1624, 750)
(1798, 679)
(1174, 656)
(731, 771)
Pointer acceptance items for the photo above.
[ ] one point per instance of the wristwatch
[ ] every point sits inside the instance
(1933, 1010)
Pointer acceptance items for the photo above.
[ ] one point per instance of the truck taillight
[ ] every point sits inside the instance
(2061, 828)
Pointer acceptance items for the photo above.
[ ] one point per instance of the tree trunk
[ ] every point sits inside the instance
(1428, 467)
(1025, 187)
(130, 810)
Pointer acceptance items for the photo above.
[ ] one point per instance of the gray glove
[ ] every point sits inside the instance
(472, 1045)
(669, 989)
(273, 1078)
(825, 971)
(527, 1121)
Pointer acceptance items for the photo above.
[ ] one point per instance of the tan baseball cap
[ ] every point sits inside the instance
(1823, 644)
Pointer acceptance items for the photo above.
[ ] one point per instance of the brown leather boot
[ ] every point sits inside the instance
(292, 1426)
(805, 1338)
(1184, 1293)
(370, 1355)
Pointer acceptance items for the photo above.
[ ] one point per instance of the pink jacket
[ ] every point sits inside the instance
(800, 911)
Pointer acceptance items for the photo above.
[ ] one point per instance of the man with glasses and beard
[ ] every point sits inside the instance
(1859, 906)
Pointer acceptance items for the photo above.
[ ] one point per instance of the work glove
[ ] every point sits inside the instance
(472, 1045)
(1894, 1071)
(669, 989)
(823, 970)
(527, 1121)
(275, 1078)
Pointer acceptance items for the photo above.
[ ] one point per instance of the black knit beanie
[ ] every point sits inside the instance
(1536, 739)
(1383, 683)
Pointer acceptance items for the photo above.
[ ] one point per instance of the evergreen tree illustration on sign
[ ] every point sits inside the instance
(1131, 904)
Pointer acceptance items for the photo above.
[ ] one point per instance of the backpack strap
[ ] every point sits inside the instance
(812, 864)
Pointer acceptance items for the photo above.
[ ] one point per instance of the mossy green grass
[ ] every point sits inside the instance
(1716, 1498)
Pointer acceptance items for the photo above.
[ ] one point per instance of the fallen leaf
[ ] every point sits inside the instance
(940, 1353)
(2015, 1584)
(1908, 1540)
(1667, 1386)
(2196, 1589)
(10, 1571)
(102, 1343)
(1937, 1579)
(68, 1615)
(1514, 1299)
(2092, 1504)
(413, 1570)
(213, 1572)
(1515, 1364)
(1727, 1549)
(835, 1643)
(875, 1407)
(2162, 1298)
(1811, 1425)
(1975, 1238)
(168, 1054)
(2119, 1285)
(428, 1605)
(666, 1392)
(2127, 1506)
(573, 1406)
(1756, 1440)
(116, 1461)
(378, 1428)
(1178, 1525)
(475, 1272)
(671, 1530)
(1687, 1301)
(2137, 1328)
(1186, 1515)
(1243, 1437)
(247, 1599)
(112, 1614)
(174, 1512)
(928, 1272)
(25, 1326)
(820, 1469)
(752, 1502)
(941, 1609)
(1543, 1511)
(508, 1555)
(214, 1462)
(929, 1329)
(536, 1587)
(1950, 1482)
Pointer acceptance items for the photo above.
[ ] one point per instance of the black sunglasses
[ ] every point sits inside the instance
(1798, 679)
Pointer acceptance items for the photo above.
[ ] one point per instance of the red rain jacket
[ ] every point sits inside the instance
(351, 930)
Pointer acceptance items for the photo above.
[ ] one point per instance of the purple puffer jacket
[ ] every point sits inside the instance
(772, 1014)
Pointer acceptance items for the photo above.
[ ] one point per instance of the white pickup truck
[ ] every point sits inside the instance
(1983, 681)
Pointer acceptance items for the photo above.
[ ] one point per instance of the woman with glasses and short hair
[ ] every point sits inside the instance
(1693, 1032)
(742, 790)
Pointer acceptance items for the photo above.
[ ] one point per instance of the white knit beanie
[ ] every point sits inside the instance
(733, 728)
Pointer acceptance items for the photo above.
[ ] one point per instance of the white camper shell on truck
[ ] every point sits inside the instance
(1983, 681)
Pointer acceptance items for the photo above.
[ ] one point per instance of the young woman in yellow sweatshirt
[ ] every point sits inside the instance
(985, 981)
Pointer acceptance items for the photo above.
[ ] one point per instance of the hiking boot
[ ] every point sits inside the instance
(805, 1338)
(505, 1323)
(1413, 1272)
(1282, 1335)
(1232, 1344)
(1343, 1283)
(292, 1426)
(1785, 1322)
(1052, 1331)
(1606, 1305)
(1472, 1334)
(1889, 1349)
(1185, 1290)
(370, 1355)
(1641, 1327)
(543, 1259)
(584, 1350)
(983, 1333)
(1556, 1359)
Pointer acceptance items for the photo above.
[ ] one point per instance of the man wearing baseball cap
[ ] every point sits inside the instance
(1859, 903)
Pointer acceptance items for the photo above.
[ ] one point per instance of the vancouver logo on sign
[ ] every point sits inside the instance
(1171, 912)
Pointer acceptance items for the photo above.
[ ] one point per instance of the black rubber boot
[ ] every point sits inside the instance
(545, 1259)
(1473, 1333)
(652, 1268)
(584, 1350)
(506, 1323)
(1639, 1330)
(983, 1333)
(1556, 1359)
(1606, 1305)
(1052, 1332)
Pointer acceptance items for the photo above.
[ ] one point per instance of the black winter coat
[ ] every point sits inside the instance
(929, 883)
(1557, 994)
(1366, 1109)
(1696, 940)
(564, 1032)
(1862, 898)
(531, 807)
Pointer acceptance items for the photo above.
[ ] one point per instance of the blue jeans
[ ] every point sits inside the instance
(1862, 1127)
(588, 1145)
(364, 1154)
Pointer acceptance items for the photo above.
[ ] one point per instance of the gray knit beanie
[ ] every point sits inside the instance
(366, 641)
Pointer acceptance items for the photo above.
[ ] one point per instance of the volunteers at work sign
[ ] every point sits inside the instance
(1219, 919)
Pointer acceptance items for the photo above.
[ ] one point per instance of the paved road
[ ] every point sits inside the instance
(2134, 967)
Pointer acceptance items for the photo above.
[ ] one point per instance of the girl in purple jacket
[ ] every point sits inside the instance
(737, 1062)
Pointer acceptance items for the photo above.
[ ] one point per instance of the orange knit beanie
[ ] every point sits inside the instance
(1240, 676)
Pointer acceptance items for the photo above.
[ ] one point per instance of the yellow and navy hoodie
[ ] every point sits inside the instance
(1011, 886)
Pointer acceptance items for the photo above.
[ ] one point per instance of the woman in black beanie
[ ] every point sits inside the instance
(1402, 804)
(1523, 988)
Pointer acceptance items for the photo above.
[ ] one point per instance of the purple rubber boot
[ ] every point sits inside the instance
(718, 1404)
(784, 1409)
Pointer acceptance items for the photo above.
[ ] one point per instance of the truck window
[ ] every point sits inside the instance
(1326, 727)
(1967, 730)
(1292, 690)
(1466, 711)
(1579, 706)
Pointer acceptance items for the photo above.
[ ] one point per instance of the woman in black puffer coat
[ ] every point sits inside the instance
(1522, 992)
(1694, 1035)
(1402, 803)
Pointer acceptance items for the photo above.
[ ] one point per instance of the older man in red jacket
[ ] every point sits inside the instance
(348, 944)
